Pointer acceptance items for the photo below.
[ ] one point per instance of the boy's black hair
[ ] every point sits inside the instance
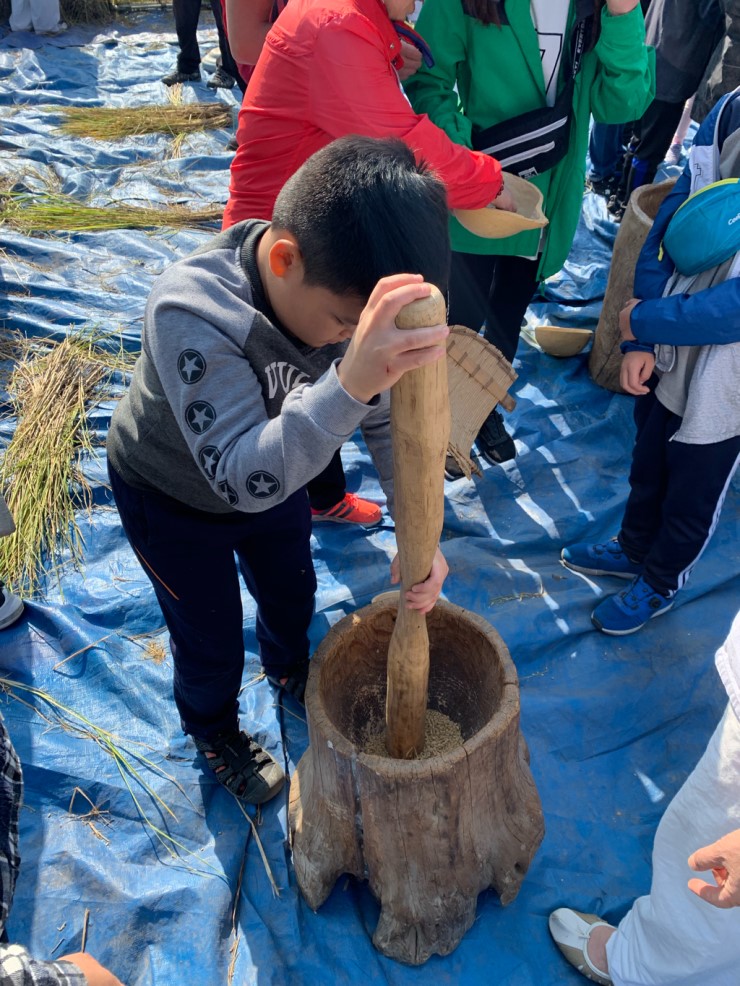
(361, 209)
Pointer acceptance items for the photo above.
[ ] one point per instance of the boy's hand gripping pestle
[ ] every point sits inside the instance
(420, 427)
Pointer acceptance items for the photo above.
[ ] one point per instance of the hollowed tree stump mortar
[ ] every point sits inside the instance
(428, 835)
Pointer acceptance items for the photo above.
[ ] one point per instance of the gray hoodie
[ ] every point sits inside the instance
(226, 410)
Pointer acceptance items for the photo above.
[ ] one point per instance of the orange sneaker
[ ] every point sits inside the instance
(351, 509)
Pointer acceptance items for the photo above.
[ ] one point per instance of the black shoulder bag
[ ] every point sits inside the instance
(536, 141)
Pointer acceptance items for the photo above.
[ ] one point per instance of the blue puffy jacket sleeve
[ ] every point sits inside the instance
(709, 317)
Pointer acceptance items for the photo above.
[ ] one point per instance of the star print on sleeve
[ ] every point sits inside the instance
(199, 416)
(191, 366)
(208, 458)
(262, 485)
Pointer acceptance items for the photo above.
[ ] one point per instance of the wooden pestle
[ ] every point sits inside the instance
(420, 427)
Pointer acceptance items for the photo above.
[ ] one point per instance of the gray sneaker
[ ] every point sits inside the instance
(11, 608)
(176, 77)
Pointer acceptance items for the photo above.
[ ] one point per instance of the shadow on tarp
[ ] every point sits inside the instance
(613, 725)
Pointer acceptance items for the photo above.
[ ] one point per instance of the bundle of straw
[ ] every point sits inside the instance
(106, 123)
(50, 389)
(46, 213)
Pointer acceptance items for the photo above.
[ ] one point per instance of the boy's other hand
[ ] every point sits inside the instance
(625, 328)
(93, 971)
(411, 61)
(379, 353)
(423, 595)
(723, 859)
(636, 369)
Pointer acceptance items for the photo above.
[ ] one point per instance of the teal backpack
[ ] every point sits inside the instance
(705, 230)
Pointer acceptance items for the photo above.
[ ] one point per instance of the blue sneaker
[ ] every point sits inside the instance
(630, 609)
(600, 559)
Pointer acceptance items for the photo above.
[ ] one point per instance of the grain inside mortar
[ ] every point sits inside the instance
(441, 735)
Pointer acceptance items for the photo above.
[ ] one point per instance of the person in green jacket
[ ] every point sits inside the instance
(521, 79)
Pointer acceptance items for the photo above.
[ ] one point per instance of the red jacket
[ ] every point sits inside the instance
(326, 70)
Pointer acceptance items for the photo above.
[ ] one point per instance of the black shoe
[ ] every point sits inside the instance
(452, 469)
(616, 208)
(221, 80)
(176, 77)
(242, 766)
(606, 187)
(494, 443)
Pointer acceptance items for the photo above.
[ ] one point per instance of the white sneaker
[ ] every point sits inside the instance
(59, 29)
(10, 610)
(570, 931)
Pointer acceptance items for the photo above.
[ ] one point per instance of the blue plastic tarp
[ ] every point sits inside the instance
(613, 725)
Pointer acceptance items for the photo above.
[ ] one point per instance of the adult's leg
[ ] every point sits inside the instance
(606, 151)
(187, 13)
(227, 59)
(698, 477)
(471, 275)
(648, 475)
(498, 290)
(188, 557)
(493, 289)
(20, 15)
(671, 937)
(275, 560)
(513, 284)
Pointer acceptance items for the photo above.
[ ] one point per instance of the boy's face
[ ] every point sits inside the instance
(318, 317)
(311, 313)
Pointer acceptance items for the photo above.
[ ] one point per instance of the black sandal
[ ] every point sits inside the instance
(293, 682)
(242, 766)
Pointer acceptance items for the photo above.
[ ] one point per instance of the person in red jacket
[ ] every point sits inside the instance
(329, 68)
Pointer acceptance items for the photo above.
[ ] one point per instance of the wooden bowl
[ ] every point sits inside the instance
(556, 340)
(492, 223)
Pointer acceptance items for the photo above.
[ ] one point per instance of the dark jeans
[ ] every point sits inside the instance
(187, 14)
(677, 493)
(189, 557)
(606, 150)
(495, 290)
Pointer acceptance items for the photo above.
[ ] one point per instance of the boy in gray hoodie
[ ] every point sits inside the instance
(262, 352)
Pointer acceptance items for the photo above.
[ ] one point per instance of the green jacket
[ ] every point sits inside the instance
(498, 72)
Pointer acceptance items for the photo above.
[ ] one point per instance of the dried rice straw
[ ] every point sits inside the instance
(50, 389)
(47, 213)
(106, 123)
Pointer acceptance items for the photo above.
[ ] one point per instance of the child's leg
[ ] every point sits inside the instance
(189, 558)
(648, 475)
(275, 560)
(698, 479)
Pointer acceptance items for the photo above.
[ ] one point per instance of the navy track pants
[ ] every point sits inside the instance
(190, 557)
(677, 493)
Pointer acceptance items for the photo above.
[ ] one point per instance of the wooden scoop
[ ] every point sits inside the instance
(420, 426)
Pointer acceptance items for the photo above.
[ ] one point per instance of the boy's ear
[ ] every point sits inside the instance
(285, 258)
